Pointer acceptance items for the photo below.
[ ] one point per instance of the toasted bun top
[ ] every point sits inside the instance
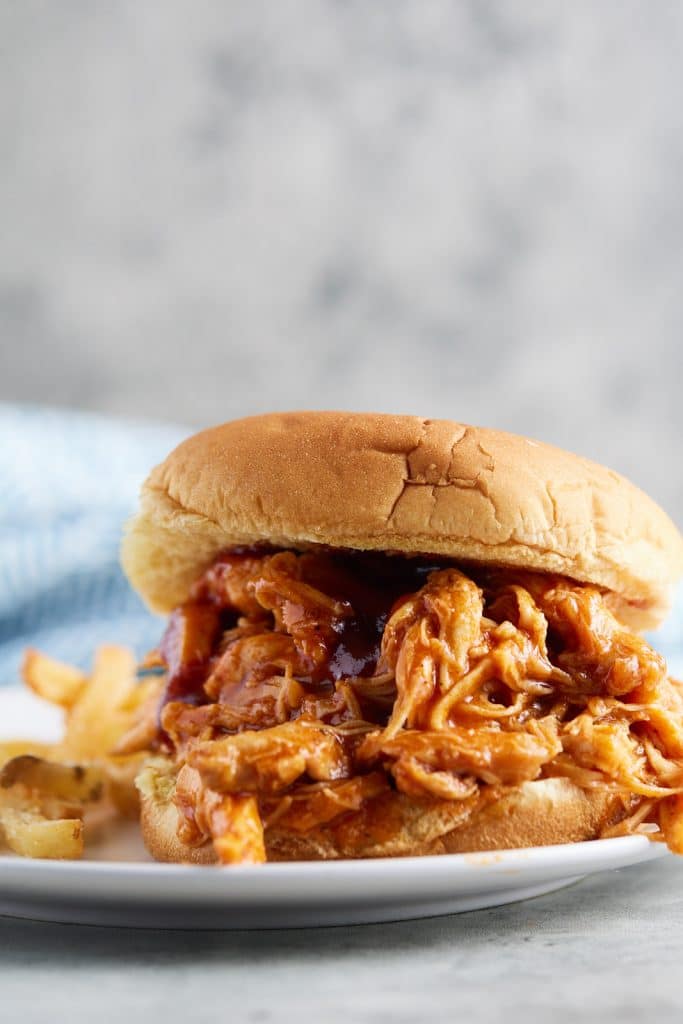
(402, 484)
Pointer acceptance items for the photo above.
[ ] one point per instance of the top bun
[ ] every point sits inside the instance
(400, 484)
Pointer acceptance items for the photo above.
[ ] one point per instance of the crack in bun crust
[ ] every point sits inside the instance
(403, 484)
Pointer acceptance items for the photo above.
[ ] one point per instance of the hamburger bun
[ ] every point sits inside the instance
(546, 812)
(400, 484)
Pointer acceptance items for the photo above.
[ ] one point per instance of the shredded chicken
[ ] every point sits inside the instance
(467, 682)
(304, 613)
(488, 753)
(309, 806)
(270, 760)
(232, 821)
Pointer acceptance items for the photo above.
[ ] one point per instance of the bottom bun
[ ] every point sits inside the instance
(542, 813)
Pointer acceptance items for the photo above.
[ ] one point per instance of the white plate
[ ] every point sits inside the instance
(118, 884)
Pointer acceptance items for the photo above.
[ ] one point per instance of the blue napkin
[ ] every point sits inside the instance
(68, 481)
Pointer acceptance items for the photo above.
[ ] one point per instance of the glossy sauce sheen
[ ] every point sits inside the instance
(187, 647)
(372, 584)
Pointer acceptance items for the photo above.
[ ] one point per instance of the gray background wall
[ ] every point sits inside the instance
(467, 209)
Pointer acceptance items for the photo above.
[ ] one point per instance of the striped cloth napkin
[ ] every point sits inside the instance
(68, 482)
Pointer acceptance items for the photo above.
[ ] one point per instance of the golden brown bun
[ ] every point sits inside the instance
(399, 483)
(158, 821)
(546, 812)
(159, 817)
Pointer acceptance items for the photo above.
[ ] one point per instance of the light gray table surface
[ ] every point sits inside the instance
(608, 948)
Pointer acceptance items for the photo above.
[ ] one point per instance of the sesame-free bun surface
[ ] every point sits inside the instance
(542, 813)
(402, 484)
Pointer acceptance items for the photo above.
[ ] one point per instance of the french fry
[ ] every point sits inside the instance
(46, 790)
(30, 834)
(142, 709)
(98, 717)
(76, 782)
(16, 748)
(52, 680)
(43, 804)
(121, 773)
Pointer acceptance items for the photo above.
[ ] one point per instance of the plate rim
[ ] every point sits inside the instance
(559, 855)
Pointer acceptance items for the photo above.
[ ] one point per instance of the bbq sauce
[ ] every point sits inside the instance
(371, 583)
(187, 646)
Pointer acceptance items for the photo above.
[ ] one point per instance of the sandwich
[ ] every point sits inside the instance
(390, 636)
